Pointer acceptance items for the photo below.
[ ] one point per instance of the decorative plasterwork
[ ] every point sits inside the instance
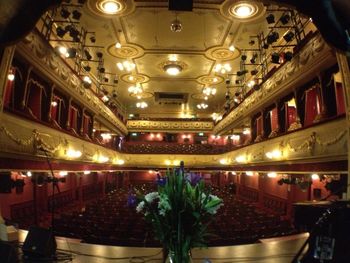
(311, 58)
(323, 142)
(38, 53)
(17, 136)
(210, 80)
(126, 6)
(227, 10)
(134, 78)
(222, 53)
(126, 51)
(169, 126)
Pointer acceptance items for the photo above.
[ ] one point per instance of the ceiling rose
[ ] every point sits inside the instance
(243, 10)
(110, 7)
(173, 68)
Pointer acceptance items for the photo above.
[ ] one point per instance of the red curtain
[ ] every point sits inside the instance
(9, 90)
(34, 98)
(54, 108)
(259, 126)
(291, 115)
(312, 105)
(86, 124)
(73, 116)
(274, 119)
(340, 99)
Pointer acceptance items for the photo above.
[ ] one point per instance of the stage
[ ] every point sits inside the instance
(276, 250)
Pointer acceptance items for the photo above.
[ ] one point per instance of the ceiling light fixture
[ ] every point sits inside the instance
(141, 105)
(202, 106)
(110, 7)
(135, 89)
(243, 10)
(172, 69)
(222, 68)
(176, 26)
(209, 91)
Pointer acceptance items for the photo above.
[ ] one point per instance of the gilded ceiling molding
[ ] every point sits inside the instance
(313, 56)
(38, 53)
(169, 126)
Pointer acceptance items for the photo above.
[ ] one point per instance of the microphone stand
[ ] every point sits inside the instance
(53, 192)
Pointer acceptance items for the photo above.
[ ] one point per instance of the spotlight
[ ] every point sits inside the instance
(244, 57)
(237, 94)
(101, 70)
(105, 79)
(288, 36)
(256, 87)
(272, 37)
(270, 19)
(285, 19)
(288, 56)
(74, 33)
(238, 81)
(254, 72)
(71, 52)
(87, 68)
(252, 60)
(265, 46)
(93, 39)
(76, 15)
(87, 54)
(275, 58)
(60, 32)
(115, 81)
(99, 54)
(227, 96)
(64, 13)
(227, 82)
(242, 72)
(227, 106)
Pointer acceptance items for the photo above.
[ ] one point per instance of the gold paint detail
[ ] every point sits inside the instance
(210, 80)
(222, 53)
(183, 65)
(145, 125)
(315, 50)
(127, 51)
(64, 77)
(135, 78)
(141, 96)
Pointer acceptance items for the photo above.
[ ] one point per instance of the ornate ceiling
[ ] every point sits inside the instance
(143, 29)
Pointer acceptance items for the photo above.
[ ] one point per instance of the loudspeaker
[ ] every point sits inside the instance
(39, 243)
(181, 5)
(6, 182)
(8, 253)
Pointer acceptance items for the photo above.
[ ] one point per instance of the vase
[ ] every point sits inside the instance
(175, 258)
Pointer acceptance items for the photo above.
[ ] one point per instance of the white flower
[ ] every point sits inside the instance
(163, 205)
(150, 197)
(140, 207)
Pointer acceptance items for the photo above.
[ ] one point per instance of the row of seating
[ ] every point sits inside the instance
(110, 221)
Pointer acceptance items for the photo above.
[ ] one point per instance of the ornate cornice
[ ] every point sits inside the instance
(315, 55)
(169, 126)
(35, 49)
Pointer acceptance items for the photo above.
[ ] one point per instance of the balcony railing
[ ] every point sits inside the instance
(174, 148)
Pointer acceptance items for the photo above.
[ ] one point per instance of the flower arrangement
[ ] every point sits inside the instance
(179, 212)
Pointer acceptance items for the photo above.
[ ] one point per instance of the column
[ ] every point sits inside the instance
(345, 73)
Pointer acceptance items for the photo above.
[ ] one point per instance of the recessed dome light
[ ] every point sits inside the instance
(172, 69)
(243, 10)
(110, 6)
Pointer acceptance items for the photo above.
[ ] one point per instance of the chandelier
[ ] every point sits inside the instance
(137, 89)
(222, 68)
(202, 106)
(141, 105)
